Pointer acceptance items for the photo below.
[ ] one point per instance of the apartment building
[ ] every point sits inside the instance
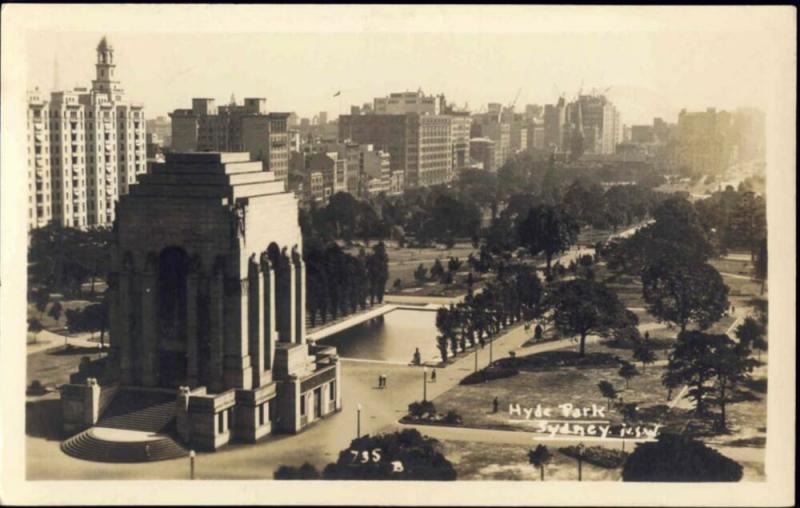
(246, 127)
(86, 147)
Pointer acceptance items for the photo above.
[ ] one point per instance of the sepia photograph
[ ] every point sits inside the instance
(318, 248)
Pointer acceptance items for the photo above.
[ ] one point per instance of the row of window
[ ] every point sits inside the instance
(304, 398)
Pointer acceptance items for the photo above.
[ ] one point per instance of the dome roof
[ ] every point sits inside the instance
(104, 45)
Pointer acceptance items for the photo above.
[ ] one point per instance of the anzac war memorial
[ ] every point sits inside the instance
(207, 319)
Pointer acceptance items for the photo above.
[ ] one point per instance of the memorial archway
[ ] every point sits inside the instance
(173, 270)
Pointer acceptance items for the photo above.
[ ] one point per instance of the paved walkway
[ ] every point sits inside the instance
(50, 340)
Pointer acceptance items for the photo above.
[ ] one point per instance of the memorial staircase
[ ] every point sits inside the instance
(134, 427)
(140, 410)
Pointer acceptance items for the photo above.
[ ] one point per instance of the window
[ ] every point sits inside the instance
(302, 405)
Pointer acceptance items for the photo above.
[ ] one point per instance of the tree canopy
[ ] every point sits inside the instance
(582, 306)
(677, 458)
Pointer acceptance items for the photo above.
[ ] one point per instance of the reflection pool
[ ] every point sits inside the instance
(392, 338)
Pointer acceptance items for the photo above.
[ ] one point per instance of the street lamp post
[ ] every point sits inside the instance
(580, 461)
(476, 359)
(191, 464)
(424, 384)
(358, 422)
(490, 351)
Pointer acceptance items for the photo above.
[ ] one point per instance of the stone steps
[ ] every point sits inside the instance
(132, 410)
(87, 446)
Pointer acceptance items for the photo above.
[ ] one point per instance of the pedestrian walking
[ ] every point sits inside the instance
(385, 378)
(495, 404)
(380, 381)
(433, 376)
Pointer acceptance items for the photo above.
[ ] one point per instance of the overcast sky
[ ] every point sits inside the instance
(655, 62)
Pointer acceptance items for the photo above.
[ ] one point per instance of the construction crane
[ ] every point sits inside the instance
(514, 102)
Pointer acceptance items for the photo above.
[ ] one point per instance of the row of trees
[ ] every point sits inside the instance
(576, 307)
(444, 213)
(516, 294)
(338, 284)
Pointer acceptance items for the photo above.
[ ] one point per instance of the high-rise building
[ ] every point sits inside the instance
(162, 128)
(597, 119)
(402, 103)
(419, 145)
(247, 127)
(491, 125)
(460, 124)
(750, 137)
(536, 135)
(426, 139)
(555, 120)
(705, 140)
(86, 147)
(519, 136)
(482, 150)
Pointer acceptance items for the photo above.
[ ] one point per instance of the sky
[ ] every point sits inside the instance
(648, 71)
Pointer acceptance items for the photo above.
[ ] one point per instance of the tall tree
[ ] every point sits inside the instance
(539, 458)
(644, 353)
(608, 392)
(581, 307)
(692, 362)
(681, 291)
(627, 371)
(731, 365)
(547, 230)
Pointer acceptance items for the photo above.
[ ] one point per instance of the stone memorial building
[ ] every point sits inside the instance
(207, 311)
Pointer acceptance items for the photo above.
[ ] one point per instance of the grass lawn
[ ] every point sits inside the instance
(498, 461)
(53, 367)
(734, 266)
(741, 288)
(562, 385)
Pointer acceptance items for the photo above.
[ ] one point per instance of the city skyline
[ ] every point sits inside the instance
(648, 75)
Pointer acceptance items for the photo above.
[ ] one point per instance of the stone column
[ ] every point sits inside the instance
(299, 271)
(216, 331)
(191, 329)
(270, 325)
(256, 321)
(285, 304)
(149, 331)
(238, 373)
(122, 328)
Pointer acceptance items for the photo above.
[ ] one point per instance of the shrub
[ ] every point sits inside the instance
(36, 388)
(677, 458)
(488, 374)
(419, 456)
(452, 417)
(418, 409)
(597, 456)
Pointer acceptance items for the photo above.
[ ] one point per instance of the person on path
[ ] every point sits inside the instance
(380, 381)
(495, 404)
(433, 376)
(385, 378)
